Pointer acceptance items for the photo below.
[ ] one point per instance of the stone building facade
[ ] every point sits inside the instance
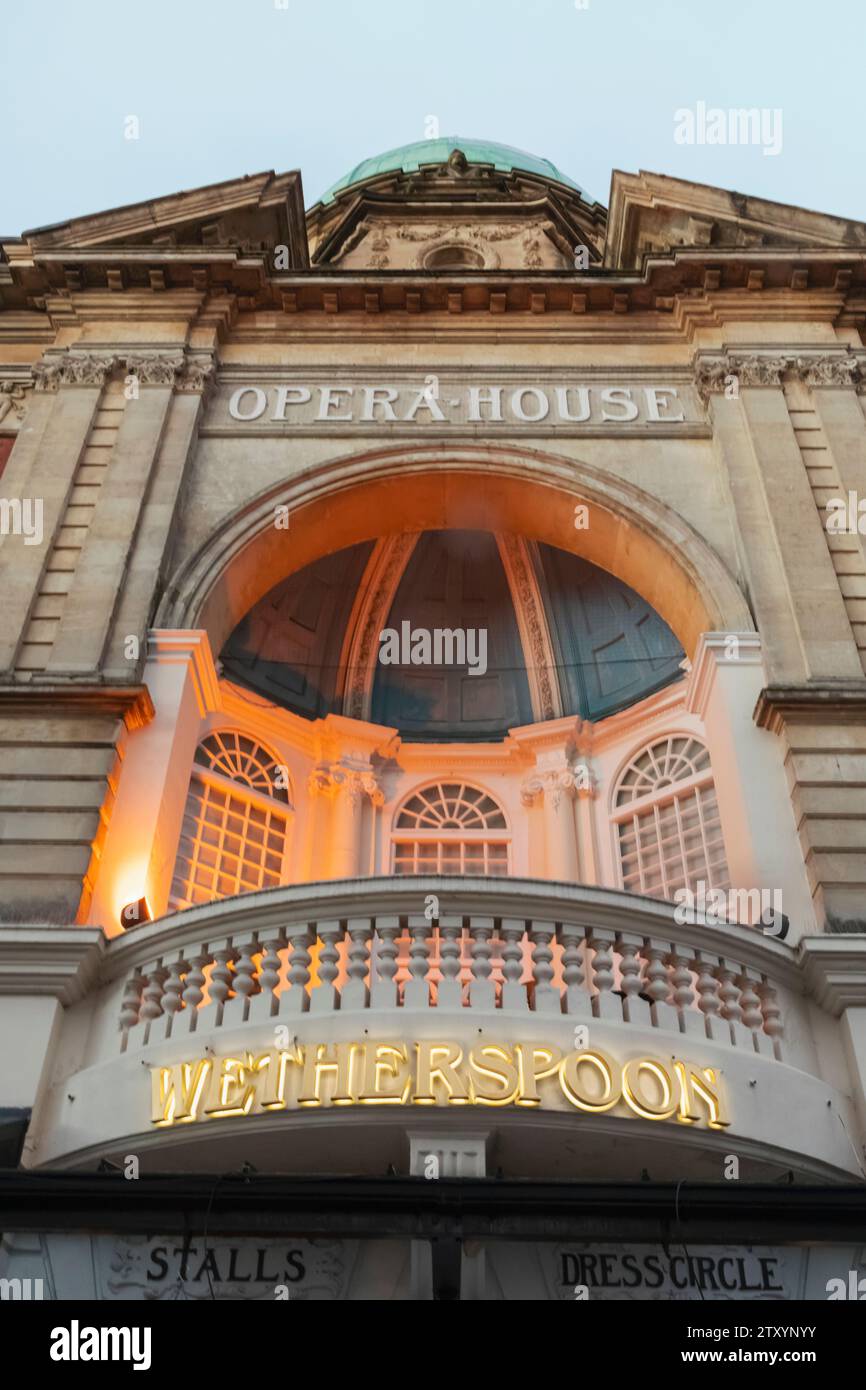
(590, 888)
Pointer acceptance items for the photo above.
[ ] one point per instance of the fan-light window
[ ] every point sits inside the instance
(233, 838)
(667, 819)
(451, 828)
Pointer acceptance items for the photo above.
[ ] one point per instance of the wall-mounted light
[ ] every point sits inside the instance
(134, 914)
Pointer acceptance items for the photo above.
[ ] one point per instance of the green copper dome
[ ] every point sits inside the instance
(410, 158)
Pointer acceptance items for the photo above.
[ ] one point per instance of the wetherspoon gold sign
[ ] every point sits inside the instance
(532, 1075)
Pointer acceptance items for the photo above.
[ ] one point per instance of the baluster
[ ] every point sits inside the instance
(151, 999)
(513, 992)
(546, 999)
(753, 1017)
(130, 1007)
(325, 999)
(605, 1004)
(657, 985)
(355, 992)
(729, 995)
(244, 984)
(172, 1001)
(690, 1018)
(296, 999)
(577, 999)
(416, 991)
(193, 993)
(482, 989)
(773, 1026)
(449, 992)
(383, 989)
(222, 953)
(709, 1002)
(634, 1010)
(266, 1003)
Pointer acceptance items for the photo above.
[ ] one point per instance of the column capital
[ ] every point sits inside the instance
(329, 779)
(69, 368)
(568, 779)
(714, 370)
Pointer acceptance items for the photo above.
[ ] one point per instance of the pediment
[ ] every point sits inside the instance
(395, 231)
(653, 213)
(254, 214)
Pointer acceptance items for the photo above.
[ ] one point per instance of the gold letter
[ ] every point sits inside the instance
(663, 1109)
(186, 1080)
(427, 1073)
(533, 1064)
(317, 1063)
(569, 1079)
(383, 1060)
(692, 1081)
(228, 1093)
(493, 1063)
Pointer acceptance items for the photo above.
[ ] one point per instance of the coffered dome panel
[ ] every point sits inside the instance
(452, 636)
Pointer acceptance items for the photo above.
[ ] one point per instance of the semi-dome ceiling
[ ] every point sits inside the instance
(562, 637)
(410, 158)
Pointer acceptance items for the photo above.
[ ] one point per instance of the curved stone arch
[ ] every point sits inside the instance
(658, 735)
(432, 779)
(504, 833)
(485, 487)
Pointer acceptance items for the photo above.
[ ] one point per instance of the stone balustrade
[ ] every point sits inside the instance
(505, 945)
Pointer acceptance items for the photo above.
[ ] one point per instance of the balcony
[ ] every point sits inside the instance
(509, 947)
(571, 985)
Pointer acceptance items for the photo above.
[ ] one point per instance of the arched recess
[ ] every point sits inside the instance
(391, 491)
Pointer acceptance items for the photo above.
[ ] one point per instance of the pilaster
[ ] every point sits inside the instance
(141, 843)
(748, 773)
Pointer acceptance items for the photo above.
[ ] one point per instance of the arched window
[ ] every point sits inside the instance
(450, 828)
(667, 819)
(233, 838)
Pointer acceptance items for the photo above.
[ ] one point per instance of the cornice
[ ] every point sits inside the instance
(131, 703)
(715, 285)
(59, 962)
(834, 966)
(840, 702)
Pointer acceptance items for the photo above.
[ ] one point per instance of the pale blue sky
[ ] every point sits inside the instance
(227, 87)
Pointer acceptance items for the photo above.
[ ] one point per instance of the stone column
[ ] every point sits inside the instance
(748, 772)
(444, 1155)
(556, 785)
(586, 795)
(833, 966)
(346, 788)
(157, 511)
(140, 845)
(43, 970)
(42, 468)
(82, 633)
(792, 582)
